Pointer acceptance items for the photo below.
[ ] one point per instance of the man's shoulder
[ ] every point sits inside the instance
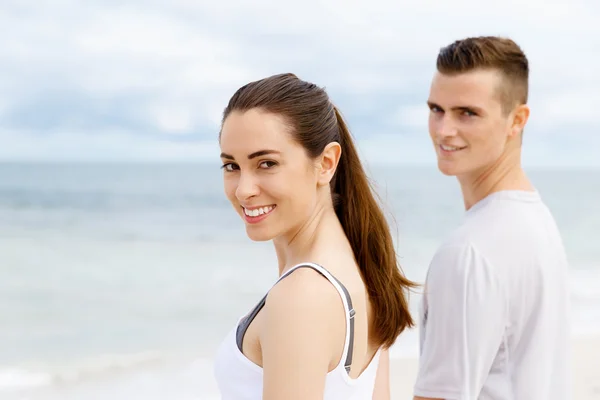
(459, 242)
(502, 216)
(498, 239)
(457, 256)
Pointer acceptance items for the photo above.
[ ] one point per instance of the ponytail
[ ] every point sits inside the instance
(316, 123)
(369, 235)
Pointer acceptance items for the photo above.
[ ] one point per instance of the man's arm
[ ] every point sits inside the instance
(466, 317)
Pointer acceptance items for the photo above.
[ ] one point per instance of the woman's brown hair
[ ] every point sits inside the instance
(315, 122)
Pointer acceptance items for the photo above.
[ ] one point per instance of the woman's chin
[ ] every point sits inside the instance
(258, 235)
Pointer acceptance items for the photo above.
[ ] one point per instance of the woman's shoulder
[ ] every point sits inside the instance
(304, 299)
(303, 290)
(301, 329)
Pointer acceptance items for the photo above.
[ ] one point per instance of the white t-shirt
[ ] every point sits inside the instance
(494, 316)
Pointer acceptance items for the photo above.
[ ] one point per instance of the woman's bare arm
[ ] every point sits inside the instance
(297, 337)
(382, 379)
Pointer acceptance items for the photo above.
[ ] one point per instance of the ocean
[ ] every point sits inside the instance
(119, 280)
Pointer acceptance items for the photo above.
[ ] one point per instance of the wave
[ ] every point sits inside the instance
(150, 376)
(17, 378)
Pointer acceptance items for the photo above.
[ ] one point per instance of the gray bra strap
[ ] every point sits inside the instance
(245, 322)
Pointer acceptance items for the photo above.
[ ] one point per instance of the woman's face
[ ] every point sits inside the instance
(268, 177)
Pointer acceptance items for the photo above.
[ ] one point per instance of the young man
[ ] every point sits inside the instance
(494, 318)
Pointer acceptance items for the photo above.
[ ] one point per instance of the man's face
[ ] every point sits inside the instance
(467, 123)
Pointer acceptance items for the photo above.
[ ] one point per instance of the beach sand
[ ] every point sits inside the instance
(585, 367)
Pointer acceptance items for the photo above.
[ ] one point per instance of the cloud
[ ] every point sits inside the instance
(414, 116)
(570, 107)
(110, 146)
(157, 72)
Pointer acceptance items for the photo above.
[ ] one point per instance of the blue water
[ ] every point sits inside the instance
(121, 279)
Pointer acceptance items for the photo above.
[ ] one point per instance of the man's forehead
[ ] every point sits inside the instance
(479, 86)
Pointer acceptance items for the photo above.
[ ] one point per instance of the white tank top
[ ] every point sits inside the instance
(239, 378)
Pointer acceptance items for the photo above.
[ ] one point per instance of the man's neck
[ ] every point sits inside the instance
(505, 174)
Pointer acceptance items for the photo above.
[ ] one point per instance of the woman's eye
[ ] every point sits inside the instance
(229, 167)
(267, 164)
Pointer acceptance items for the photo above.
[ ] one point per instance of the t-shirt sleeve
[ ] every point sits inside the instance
(463, 325)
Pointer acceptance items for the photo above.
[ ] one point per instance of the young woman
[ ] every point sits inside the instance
(292, 173)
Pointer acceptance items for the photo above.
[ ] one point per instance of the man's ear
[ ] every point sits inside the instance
(328, 163)
(520, 117)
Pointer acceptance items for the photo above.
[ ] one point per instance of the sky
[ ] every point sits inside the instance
(147, 80)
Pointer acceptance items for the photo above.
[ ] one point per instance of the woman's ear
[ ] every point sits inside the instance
(328, 162)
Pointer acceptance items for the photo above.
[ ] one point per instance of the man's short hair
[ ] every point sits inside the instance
(492, 53)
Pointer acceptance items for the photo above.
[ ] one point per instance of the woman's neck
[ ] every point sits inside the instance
(299, 245)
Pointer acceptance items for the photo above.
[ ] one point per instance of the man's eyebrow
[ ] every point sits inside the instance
(477, 110)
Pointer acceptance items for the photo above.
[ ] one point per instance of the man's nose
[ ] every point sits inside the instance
(445, 127)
